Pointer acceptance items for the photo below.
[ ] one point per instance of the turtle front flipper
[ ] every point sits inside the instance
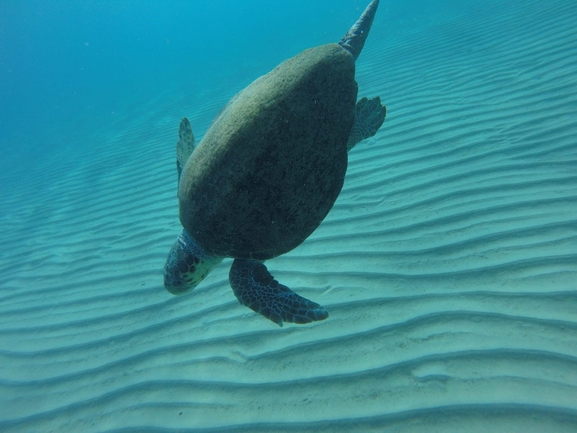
(184, 146)
(187, 265)
(255, 287)
(369, 116)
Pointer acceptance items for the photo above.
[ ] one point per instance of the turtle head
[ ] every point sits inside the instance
(354, 40)
(187, 265)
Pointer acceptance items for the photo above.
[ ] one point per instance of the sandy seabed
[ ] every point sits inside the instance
(448, 263)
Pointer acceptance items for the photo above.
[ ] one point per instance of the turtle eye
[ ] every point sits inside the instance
(186, 266)
(179, 270)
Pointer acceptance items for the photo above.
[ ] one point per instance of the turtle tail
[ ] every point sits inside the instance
(354, 40)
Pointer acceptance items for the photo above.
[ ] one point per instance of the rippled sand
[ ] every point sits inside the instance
(448, 264)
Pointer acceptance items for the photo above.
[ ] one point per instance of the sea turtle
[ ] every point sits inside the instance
(268, 171)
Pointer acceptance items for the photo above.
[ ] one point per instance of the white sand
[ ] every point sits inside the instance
(448, 264)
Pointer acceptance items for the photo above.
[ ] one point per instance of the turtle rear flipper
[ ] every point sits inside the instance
(369, 116)
(184, 146)
(255, 287)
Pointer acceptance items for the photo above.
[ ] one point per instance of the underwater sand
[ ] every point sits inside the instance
(448, 263)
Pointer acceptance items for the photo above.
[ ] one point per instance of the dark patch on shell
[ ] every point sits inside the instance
(271, 166)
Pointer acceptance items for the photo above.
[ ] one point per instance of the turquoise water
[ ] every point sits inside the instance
(448, 264)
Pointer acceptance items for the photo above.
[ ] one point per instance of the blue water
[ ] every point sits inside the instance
(448, 264)
(74, 62)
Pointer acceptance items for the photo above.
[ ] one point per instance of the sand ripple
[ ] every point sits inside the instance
(448, 264)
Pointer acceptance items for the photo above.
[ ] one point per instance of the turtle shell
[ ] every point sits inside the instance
(272, 164)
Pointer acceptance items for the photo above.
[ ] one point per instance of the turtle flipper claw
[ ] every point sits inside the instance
(255, 287)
